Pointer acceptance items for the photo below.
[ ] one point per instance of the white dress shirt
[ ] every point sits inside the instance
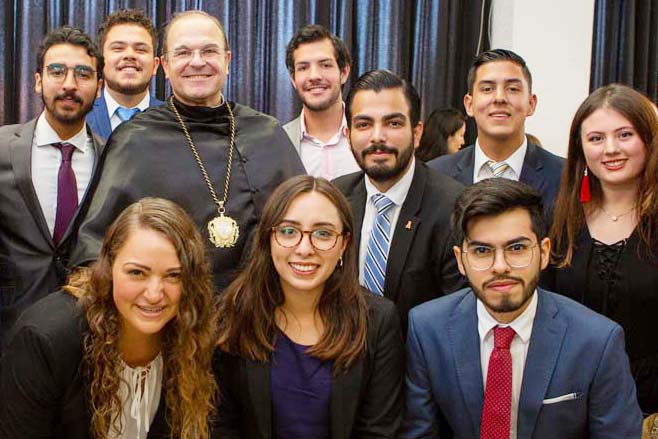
(481, 171)
(397, 194)
(45, 165)
(112, 106)
(522, 325)
(328, 160)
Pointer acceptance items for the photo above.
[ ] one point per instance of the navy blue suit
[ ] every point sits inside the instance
(572, 350)
(99, 120)
(542, 170)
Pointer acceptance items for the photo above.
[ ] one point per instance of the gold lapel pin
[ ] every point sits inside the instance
(408, 225)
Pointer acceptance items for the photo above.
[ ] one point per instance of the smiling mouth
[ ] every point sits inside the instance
(303, 269)
(130, 69)
(614, 164)
(151, 311)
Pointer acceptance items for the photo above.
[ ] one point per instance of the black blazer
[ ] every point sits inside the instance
(366, 401)
(421, 265)
(31, 265)
(44, 395)
(542, 170)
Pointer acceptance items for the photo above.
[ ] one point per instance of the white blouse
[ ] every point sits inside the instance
(139, 393)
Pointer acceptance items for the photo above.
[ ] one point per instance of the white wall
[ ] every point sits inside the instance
(555, 39)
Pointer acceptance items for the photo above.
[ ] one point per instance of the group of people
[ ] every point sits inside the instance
(191, 268)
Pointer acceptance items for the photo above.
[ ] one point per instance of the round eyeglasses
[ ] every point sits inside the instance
(482, 257)
(322, 239)
(59, 72)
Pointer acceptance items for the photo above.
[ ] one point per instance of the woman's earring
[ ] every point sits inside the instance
(585, 195)
(340, 261)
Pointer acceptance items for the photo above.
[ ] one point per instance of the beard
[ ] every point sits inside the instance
(67, 118)
(383, 172)
(129, 89)
(507, 304)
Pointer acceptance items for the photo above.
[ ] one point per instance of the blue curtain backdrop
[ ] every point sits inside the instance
(431, 42)
(625, 46)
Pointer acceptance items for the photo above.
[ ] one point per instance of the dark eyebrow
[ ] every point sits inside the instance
(505, 244)
(361, 117)
(394, 116)
(318, 224)
(138, 265)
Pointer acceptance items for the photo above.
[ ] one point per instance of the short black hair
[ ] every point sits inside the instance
(493, 56)
(495, 196)
(73, 36)
(378, 80)
(128, 16)
(310, 34)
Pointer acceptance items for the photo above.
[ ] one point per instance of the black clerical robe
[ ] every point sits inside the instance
(149, 156)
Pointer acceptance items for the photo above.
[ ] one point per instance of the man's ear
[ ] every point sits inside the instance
(344, 74)
(468, 104)
(545, 252)
(458, 255)
(418, 133)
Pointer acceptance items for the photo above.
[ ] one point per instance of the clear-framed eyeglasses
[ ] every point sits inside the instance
(58, 72)
(322, 238)
(517, 254)
(206, 53)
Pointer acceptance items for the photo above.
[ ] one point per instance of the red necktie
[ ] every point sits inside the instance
(67, 192)
(496, 411)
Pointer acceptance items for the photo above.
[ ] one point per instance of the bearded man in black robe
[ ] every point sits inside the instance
(217, 159)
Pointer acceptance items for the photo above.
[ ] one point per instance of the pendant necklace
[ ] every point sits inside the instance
(223, 230)
(615, 218)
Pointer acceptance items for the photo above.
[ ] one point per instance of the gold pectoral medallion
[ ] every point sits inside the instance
(224, 231)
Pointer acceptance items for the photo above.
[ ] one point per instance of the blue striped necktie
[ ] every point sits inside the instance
(497, 168)
(378, 245)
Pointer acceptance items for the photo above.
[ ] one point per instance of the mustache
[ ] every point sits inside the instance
(71, 95)
(378, 147)
(503, 277)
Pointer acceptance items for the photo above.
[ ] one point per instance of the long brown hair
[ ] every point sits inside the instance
(569, 218)
(247, 327)
(188, 340)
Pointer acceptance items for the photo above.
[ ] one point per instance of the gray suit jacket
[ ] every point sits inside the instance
(31, 265)
(294, 130)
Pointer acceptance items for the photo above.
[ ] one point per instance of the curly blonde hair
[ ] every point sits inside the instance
(189, 387)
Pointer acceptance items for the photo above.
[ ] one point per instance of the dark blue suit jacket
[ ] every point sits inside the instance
(542, 170)
(99, 120)
(573, 350)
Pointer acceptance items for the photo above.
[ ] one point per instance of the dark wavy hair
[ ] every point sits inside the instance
(189, 387)
(248, 328)
(569, 217)
(75, 37)
(310, 34)
(440, 124)
(128, 16)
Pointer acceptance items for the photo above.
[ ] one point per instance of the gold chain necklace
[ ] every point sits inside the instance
(223, 230)
(615, 218)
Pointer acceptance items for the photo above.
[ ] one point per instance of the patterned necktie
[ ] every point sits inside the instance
(378, 244)
(67, 192)
(126, 113)
(497, 407)
(497, 168)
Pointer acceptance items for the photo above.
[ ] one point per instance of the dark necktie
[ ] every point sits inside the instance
(497, 407)
(126, 113)
(67, 192)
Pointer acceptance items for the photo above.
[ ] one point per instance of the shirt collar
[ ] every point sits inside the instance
(45, 135)
(522, 325)
(398, 192)
(515, 161)
(342, 131)
(112, 104)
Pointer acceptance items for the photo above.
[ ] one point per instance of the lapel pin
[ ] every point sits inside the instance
(408, 225)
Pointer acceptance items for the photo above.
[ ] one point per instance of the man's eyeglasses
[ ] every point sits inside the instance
(322, 239)
(58, 72)
(207, 54)
(517, 255)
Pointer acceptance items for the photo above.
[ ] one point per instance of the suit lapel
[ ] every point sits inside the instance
(357, 200)
(258, 379)
(464, 167)
(21, 161)
(548, 331)
(531, 173)
(345, 389)
(465, 345)
(405, 230)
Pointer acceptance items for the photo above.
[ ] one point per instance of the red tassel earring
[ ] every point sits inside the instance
(585, 196)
